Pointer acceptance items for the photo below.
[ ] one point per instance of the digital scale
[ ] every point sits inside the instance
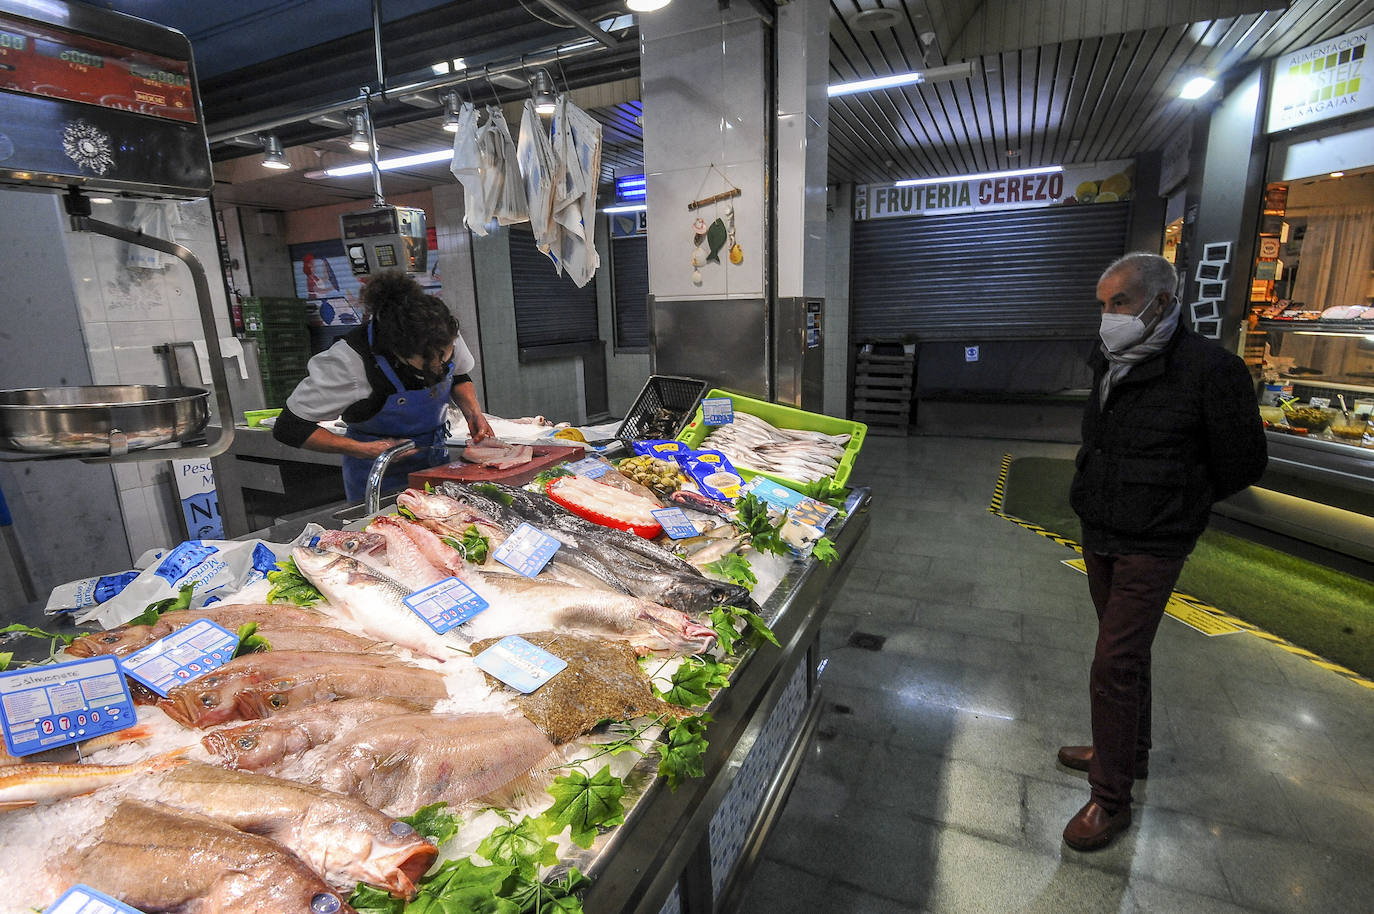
(385, 238)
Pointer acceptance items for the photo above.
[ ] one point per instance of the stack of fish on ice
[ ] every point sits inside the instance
(279, 785)
(793, 453)
(548, 180)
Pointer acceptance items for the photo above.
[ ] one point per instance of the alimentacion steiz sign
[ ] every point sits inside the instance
(1321, 82)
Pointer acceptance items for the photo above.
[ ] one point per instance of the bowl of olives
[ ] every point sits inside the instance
(1312, 418)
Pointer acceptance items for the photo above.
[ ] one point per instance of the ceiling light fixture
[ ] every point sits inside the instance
(422, 158)
(646, 6)
(1196, 87)
(1337, 174)
(626, 208)
(451, 112)
(358, 142)
(272, 154)
(1044, 170)
(965, 70)
(541, 89)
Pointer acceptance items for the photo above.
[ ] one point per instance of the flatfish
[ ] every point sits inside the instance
(602, 681)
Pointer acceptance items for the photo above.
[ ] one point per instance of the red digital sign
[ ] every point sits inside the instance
(40, 59)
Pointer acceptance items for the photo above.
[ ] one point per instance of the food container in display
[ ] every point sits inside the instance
(1312, 418)
(1362, 408)
(1352, 432)
(647, 531)
(781, 416)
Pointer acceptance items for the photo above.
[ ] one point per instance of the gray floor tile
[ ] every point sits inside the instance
(977, 799)
(1147, 897)
(1333, 816)
(1268, 873)
(841, 898)
(775, 887)
(1223, 792)
(971, 620)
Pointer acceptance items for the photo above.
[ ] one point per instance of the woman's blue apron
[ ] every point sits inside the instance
(415, 414)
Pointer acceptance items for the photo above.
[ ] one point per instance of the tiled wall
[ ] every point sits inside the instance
(455, 273)
(625, 372)
(836, 321)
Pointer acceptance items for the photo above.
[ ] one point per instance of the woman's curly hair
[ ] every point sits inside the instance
(406, 320)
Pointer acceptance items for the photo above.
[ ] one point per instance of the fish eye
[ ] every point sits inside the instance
(277, 700)
(109, 639)
(209, 699)
(247, 742)
(401, 829)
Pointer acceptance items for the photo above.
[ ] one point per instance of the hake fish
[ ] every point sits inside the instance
(262, 745)
(37, 783)
(158, 859)
(128, 638)
(260, 685)
(339, 837)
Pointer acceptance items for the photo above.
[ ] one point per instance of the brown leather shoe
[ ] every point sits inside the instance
(1093, 829)
(1080, 757)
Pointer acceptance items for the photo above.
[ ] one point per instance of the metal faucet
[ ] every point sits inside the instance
(374, 478)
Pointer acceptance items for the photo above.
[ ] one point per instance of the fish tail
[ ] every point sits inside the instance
(173, 759)
(17, 804)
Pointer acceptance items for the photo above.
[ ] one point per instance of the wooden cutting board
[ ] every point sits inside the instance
(545, 456)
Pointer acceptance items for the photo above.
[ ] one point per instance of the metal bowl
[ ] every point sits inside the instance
(99, 420)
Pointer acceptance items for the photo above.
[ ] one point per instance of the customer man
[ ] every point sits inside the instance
(1172, 426)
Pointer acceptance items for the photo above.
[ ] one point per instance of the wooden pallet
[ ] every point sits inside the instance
(882, 389)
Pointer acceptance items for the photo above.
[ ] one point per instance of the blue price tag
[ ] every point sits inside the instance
(527, 550)
(717, 411)
(446, 605)
(675, 523)
(186, 654)
(82, 899)
(519, 664)
(589, 467)
(799, 507)
(66, 703)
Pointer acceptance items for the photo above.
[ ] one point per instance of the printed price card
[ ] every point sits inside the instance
(675, 523)
(82, 899)
(717, 411)
(446, 605)
(589, 467)
(800, 508)
(519, 664)
(52, 706)
(527, 550)
(186, 654)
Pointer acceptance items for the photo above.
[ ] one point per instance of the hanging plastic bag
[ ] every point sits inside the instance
(512, 205)
(489, 152)
(535, 153)
(577, 147)
(467, 168)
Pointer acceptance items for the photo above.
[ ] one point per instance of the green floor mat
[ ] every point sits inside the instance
(1327, 612)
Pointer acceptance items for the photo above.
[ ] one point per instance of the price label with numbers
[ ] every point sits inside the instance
(675, 523)
(82, 899)
(51, 706)
(527, 550)
(186, 654)
(519, 664)
(446, 605)
(589, 467)
(799, 507)
(717, 411)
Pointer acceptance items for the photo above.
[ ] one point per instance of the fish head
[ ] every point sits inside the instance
(250, 747)
(429, 504)
(323, 565)
(265, 699)
(390, 854)
(352, 542)
(119, 640)
(205, 702)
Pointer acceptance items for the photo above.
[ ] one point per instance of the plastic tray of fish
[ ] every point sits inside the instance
(696, 435)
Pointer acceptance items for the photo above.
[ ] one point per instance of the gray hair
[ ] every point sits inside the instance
(1151, 273)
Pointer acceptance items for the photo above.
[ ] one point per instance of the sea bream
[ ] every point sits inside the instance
(128, 638)
(259, 685)
(341, 838)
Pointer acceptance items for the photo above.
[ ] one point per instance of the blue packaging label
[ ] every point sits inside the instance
(659, 447)
(527, 550)
(264, 560)
(800, 508)
(51, 706)
(589, 467)
(446, 605)
(676, 523)
(186, 654)
(717, 411)
(82, 899)
(714, 475)
(519, 664)
(111, 584)
(182, 560)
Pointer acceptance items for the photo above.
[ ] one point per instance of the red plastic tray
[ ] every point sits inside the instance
(648, 531)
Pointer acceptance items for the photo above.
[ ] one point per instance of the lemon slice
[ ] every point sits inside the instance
(1106, 196)
(1086, 189)
(1117, 184)
(570, 434)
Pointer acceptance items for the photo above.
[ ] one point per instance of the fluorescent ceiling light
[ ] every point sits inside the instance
(1045, 170)
(627, 208)
(423, 158)
(870, 85)
(453, 66)
(646, 6)
(1337, 174)
(1196, 87)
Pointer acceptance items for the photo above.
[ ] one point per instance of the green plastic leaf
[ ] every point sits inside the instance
(736, 569)
(824, 550)
(475, 545)
(680, 756)
(494, 493)
(405, 512)
(524, 845)
(544, 477)
(367, 900)
(434, 822)
(695, 681)
(582, 804)
(36, 633)
(549, 897)
(722, 622)
(463, 887)
(757, 624)
(250, 642)
(5, 659)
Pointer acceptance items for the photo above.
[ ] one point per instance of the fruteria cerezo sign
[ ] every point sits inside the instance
(1321, 82)
(1104, 182)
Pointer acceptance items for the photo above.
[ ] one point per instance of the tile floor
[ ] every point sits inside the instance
(932, 785)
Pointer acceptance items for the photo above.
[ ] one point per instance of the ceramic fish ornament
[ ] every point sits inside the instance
(716, 237)
(736, 254)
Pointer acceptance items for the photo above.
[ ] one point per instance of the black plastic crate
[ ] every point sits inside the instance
(663, 408)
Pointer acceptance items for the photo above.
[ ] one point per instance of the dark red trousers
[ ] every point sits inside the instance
(1129, 593)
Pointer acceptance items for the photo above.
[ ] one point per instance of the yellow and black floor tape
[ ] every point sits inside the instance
(1188, 609)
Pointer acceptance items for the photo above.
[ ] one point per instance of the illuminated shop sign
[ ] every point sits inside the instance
(1105, 182)
(630, 187)
(1321, 82)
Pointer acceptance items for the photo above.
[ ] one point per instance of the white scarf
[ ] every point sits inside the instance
(1126, 359)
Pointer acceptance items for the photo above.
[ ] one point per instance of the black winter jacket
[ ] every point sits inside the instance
(1177, 433)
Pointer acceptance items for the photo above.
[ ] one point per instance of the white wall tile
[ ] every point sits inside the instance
(133, 343)
(100, 352)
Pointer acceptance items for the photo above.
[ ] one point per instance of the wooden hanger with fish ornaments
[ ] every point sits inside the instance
(707, 240)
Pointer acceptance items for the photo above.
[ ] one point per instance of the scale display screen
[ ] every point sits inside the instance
(45, 60)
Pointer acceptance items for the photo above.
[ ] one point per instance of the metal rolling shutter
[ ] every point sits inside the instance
(630, 259)
(549, 309)
(1014, 274)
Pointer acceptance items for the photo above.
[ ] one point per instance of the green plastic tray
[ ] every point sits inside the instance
(787, 417)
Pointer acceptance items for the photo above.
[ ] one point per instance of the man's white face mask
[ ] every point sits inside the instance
(1122, 331)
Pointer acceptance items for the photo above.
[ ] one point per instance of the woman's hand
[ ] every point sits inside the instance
(371, 450)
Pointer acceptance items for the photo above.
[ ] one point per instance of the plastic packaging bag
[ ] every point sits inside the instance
(467, 168)
(535, 154)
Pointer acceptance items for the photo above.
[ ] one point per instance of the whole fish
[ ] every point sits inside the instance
(398, 764)
(47, 782)
(264, 744)
(128, 638)
(260, 685)
(154, 858)
(77, 751)
(339, 837)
